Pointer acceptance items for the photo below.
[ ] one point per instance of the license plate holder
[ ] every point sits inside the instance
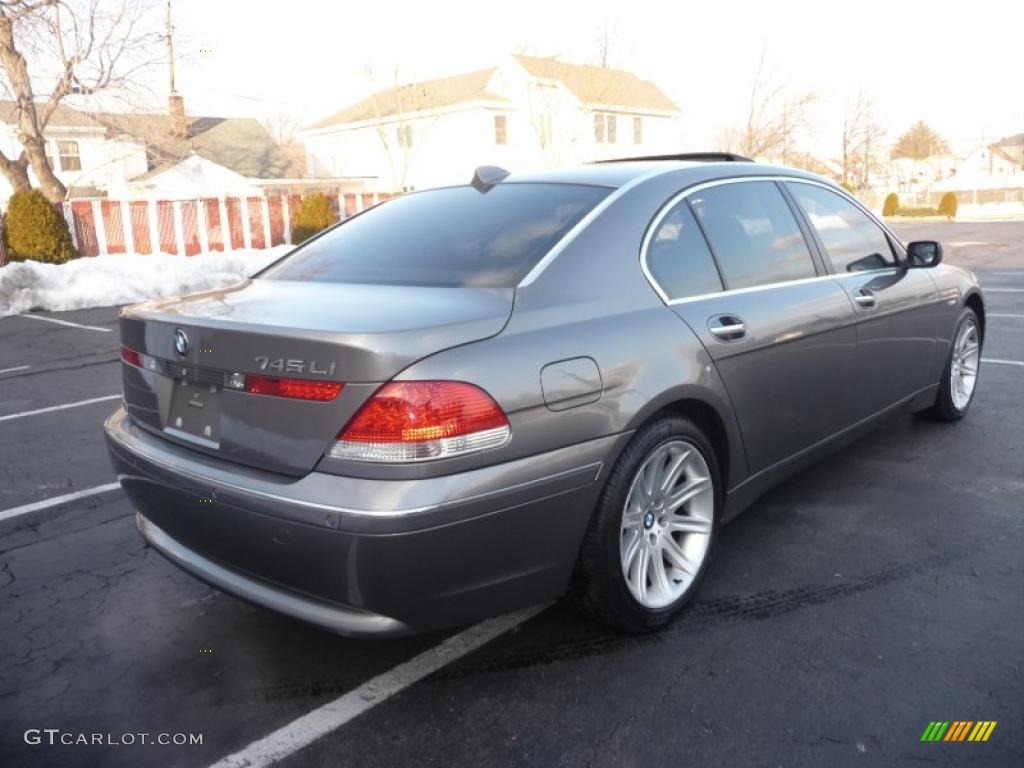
(195, 413)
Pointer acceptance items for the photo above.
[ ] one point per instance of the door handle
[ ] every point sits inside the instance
(727, 327)
(864, 298)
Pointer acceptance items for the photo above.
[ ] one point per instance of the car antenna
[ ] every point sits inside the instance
(486, 176)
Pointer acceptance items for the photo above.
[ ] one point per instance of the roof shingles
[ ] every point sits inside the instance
(240, 144)
(593, 86)
(600, 85)
(416, 97)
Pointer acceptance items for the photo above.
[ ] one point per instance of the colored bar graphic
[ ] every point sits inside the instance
(935, 730)
(958, 730)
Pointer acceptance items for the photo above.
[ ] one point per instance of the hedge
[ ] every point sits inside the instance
(314, 215)
(34, 231)
(891, 204)
(948, 205)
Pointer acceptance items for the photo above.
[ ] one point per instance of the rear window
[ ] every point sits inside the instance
(449, 237)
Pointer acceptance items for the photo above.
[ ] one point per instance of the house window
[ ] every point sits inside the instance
(638, 130)
(69, 159)
(404, 133)
(500, 129)
(605, 128)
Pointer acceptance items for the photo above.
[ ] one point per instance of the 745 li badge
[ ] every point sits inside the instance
(290, 365)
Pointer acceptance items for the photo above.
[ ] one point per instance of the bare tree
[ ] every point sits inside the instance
(861, 136)
(282, 126)
(605, 38)
(776, 116)
(399, 122)
(84, 47)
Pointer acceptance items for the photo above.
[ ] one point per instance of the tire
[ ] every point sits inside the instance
(601, 585)
(950, 403)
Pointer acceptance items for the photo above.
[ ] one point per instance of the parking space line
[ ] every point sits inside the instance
(321, 721)
(52, 408)
(54, 501)
(1002, 362)
(67, 323)
(15, 368)
(1004, 290)
(1000, 315)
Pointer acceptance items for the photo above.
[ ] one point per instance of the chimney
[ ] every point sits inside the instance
(179, 123)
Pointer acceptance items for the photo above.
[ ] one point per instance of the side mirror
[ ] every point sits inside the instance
(924, 253)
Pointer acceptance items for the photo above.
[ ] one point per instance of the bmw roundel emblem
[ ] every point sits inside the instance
(180, 342)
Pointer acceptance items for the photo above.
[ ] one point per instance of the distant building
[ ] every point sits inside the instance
(999, 165)
(103, 153)
(526, 112)
(1011, 149)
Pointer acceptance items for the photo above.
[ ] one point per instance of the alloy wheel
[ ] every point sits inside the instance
(964, 368)
(666, 523)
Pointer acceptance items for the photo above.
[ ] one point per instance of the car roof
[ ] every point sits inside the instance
(617, 174)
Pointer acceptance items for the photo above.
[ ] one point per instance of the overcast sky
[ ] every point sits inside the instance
(958, 66)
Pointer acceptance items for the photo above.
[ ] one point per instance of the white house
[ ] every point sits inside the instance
(118, 154)
(993, 166)
(524, 113)
(980, 166)
(81, 154)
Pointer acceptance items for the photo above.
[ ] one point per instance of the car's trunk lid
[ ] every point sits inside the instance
(360, 335)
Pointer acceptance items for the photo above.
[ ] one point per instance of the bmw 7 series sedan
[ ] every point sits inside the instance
(472, 399)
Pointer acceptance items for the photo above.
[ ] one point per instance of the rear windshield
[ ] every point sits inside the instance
(449, 237)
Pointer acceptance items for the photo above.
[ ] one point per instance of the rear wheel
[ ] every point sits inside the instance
(960, 376)
(651, 535)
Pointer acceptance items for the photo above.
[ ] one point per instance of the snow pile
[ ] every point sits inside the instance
(111, 279)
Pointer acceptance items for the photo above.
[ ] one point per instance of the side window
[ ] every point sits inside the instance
(852, 240)
(678, 257)
(753, 234)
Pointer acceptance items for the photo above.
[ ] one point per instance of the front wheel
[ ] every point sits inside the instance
(651, 536)
(960, 376)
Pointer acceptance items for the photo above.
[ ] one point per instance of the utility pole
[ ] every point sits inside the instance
(175, 102)
(170, 49)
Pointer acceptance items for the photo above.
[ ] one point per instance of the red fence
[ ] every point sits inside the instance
(189, 227)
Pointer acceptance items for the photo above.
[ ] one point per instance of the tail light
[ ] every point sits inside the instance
(297, 389)
(131, 357)
(422, 420)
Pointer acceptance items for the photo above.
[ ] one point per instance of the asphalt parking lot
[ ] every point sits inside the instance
(847, 609)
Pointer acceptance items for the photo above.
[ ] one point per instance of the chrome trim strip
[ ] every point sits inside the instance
(218, 483)
(381, 513)
(182, 435)
(343, 620)
(748, 289)
(597, 466)
(679, 196)
(585, 222)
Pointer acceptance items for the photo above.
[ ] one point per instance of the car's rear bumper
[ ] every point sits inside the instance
(364, 557)
(340, 619)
